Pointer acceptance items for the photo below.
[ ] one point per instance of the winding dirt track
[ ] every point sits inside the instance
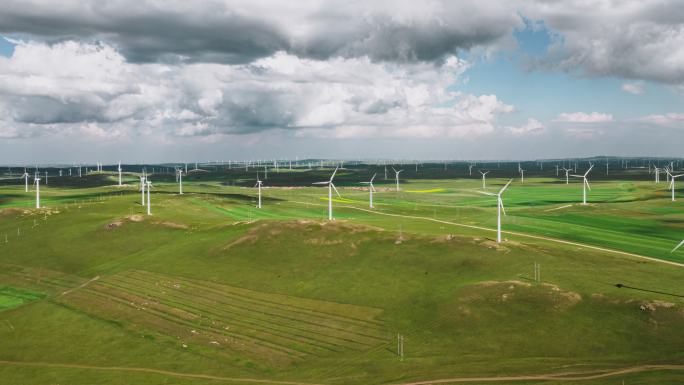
(552, 376)
(577, 376)
(152, 371)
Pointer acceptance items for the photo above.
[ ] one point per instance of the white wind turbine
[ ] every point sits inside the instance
(142, 190)
(396, 176)
(119, 169)
(36, 181)
(25, 176)
(258, 185)
(657, 174)
(672, 183)
(522, 176)
(567, 171)
(500, 208)
(149, 187)
(484, 178)
(371, 189)
(585, 184)
(180, 181)
(331, 186)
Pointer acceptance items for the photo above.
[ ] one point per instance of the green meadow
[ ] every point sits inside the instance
(211, 290)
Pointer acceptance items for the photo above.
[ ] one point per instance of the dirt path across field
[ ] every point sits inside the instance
(153, 371)
(552, 376)
(81, 285)
(576, 376)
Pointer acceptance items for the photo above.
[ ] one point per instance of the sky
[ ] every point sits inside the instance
(180, 81)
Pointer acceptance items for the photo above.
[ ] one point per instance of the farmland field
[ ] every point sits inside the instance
(211, 290)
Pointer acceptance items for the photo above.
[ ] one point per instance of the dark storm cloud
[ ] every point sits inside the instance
(233, 32)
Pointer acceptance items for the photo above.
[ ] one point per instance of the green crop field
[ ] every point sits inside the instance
(210, 289)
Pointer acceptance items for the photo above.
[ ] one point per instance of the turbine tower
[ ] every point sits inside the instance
(119, 169)
(331, 186)
(180, 181)
(36, 181)
(500, 208)
(522, 176)
(371, 189)
(149, 187)
(258, 185)
(585, 184)
(142, 190)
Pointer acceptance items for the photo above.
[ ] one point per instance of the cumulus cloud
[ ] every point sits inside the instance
(96, 92)
(532, 127)
(632, 39)
(633, 88)
(674, 120)
(583, 117)
(240, 31)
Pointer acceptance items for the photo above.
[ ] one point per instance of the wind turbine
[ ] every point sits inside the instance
(585, 184)
(180, 181)
(484, 177)
(36, 181)
(119, 169)
(657, 174)
(396, 176)
(331, 186)
(500, 208)
(672, 183)
(567, 170)
(142, 190)
(371, 189)
(522, 176)
(25, 176)
(258, 185)
(149, 206)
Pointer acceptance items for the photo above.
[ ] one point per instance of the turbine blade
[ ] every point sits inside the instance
(678, 246)
(503, 209)
(326, 182)
(587, 182)
(373, 177)
(505, 187)
(486, 193)
(335, 188)
(333, 175)
(586, 173)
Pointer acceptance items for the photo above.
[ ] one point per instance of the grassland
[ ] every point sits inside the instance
(210, 289)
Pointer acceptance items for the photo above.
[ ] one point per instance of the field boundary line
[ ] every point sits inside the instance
(153, 371)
